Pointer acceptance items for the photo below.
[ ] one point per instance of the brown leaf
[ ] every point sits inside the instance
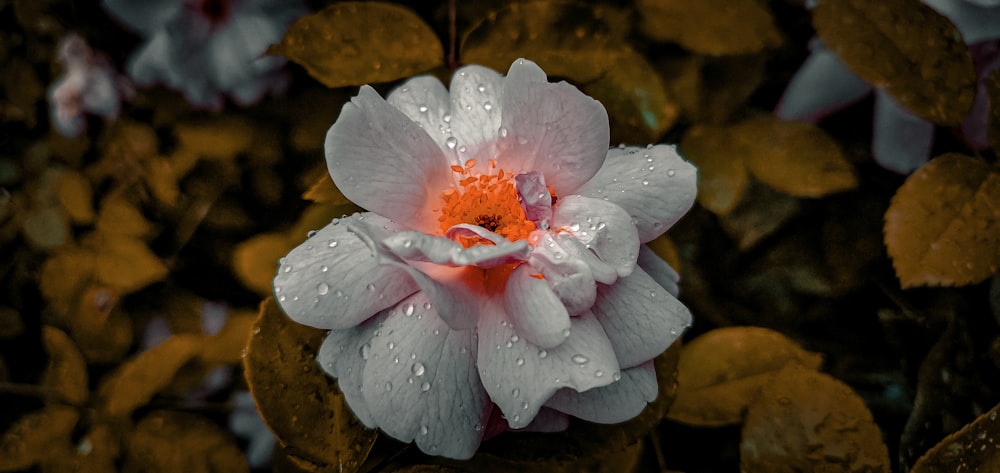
(220, 138)
(356, 43)
(96, 452)
(227, 346)
(64, 276)
(973, 448)
(137, 380)
(666, 379)
(943, 225)
(126, 264)
(760, 214)
(256, 260)
(76, 196)
(716, 27)
(720, 372)
(162, 181)
(298, 401)
(905, 47)
(722, 175)
(27, 441)
(118, 216)
(325, 191)
(804, 420)
(46, 227)
(567, 39)
(66, 373)
(169, 442)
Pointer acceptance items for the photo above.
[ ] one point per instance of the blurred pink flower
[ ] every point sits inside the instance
(501, 265)
(901, 141)
(207, 48)
(90, 85)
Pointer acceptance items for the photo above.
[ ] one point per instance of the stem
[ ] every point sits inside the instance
(654, 438)
(452, 35)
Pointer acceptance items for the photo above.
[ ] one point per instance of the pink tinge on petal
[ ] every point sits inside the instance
(901, 141)
(386, 163)
(640, 318)
(420, 381)
(550, 127)
(475, 111)
(822, 86)
(616, 402)
(535, 198)
(654, 185)
(333, 281)
(977, 20)
(520, 376)
(536, 312)
(569, 276)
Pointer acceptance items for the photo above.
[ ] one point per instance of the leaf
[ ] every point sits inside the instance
(635, 98)
(46, 227)
(356, 43)
(66, 373)
(96, 452)
(324, 191)
(760, 214)
(665, 248)
(124, 263)
(720, 372)
(220, 138)
(566, 39)
(796, 158)
(715, 27)
(804, 420)
(76, 196)
(993, 115)
(103, 334)
(905, 47)
(943, 225)
(167, 442)
(256, 260)
(27, 441)
(973, 448)
(137, 380)
(64, 276)
(722, 176)
(227, 346)
(162, 181)
(118, 216)
(666, 379)
(296, 399)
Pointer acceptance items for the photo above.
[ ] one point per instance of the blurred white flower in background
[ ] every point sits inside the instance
(90, 85)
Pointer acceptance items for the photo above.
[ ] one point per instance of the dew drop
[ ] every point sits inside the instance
(566, 333)
(408, 309)
(617, 376)
(370, 287)
(407, 243)
(520, 362)
(598, 373)
(288, 268)
(446, 118)
(462, 149)
(311, 233)
(281, 298)
(417, 369)
(425, 386)
(324, 268)
(388, 386)
(487, 106)
(514, 338)
(332, 244)
(423, 430)
(481, 88)
(503, 132)
(517, 418)
(522, 140)
(579, 359)
(515, 392)
(671, 172)
(390, 345)
(542, 353)
(645, 182)
(366, 350)
(427, 306)
(524, 405)
(422, 108)
(451, 142)
(323, 288)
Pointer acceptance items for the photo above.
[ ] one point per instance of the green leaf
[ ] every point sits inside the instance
(298, 401)
(566, 39)
(167, 442)
(973, 448)
(356, 43)
(720, 372)
(943, 225)
(905, 47)
(137, 380)
(636, 100)
(716, 27)
(27, 442)
(804, 420)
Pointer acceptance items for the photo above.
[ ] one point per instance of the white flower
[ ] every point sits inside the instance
(497, 268)
(90, 85)
(207, 48)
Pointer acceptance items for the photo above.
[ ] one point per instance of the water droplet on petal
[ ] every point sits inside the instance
(671, 172)
(520, 362)
(323, 268)
(542, 353)
(524, 405)
(446, 118)
(566, 333)
(423, 430)
(422, 108)
(388, 386)
(332, 244)
(366, 350)
(503, 132)
(323, 288)
(425, 386)
(390, 345)
(522, 140)
(598, 373)
(370, 287)
(487, 106)
(579, 359)
(514, 338)
(645, 182)
(481, 88)
(417, 369)
(408, 309)
(427, 306)
(451, 142)
(516, 392)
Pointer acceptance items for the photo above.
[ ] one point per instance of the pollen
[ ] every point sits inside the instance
(486, 199)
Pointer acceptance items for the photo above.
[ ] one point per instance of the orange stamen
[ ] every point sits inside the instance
(537, 275)
(487, 200)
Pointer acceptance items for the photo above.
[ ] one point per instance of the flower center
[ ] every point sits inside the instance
(489, 200)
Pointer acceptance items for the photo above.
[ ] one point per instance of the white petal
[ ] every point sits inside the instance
(386, 163)
(602, 226)
(475, 109)
(536, 312)
(520, 376)
(569, 276)
(143, 16)
(420, 382)
(976, 22)
(547, 420)
(656, 186)
(640, 317)
(332, 280)
(424, 100)
(901, 141)
(616, 402)
(417, 246)
(659, 270)
(821, 86)
(343, 355)
(552, 128)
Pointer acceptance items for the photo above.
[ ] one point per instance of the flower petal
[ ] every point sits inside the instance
(520, 376)
(453, 290)
(602, 226)
(332, 281)
(343, 355)
(144, 16)
(901, 141)
(568, 275)
(639, 317)
(476, 110)
(536, 312)
(384, 162)
(658, 269)
(822, 85)
(417, 246)
(975, 22)
(656, 186)
(424, 100)
(547, 420)
(552, 128)
(421, 384)
(616, 402)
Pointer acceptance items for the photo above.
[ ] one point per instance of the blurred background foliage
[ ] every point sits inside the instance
(846, 317)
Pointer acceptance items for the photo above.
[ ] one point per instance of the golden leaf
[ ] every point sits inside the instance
(943, 225)
(27, 442)
(722, 175)
(46, 227)
(325, 191)
(227, 346)
(356, 43)
(66, 373)
(973, 448)
(124, 263)
(220, 138)
(716, 27)
(256, 260)
(162, 181)
(137, 380)
(170, 442)
(118, 216)
(720, 372)
(76, 196)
